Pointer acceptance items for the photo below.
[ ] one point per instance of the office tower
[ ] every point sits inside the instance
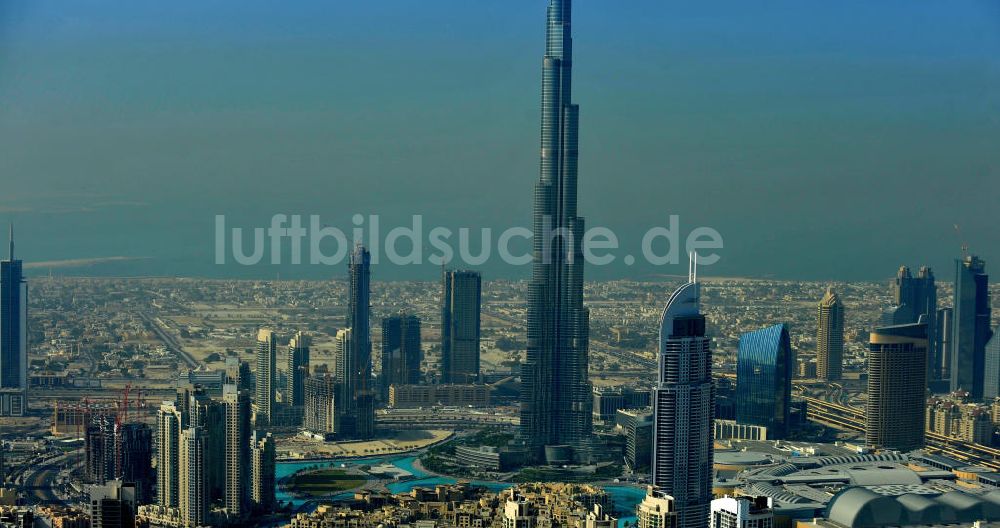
(358, 420)
(830, 337)
(656, 511)
(971, 326)
(897, 387)
(262, 471)
(743, 512)
(320, 416)
(401, 352)
(298, 369)
(99, 448)
(555, 388)
(991, 374)
(913, 298)
(193, 482)
(169, 423)
(267, 352)
(135, 453)
(683, 403)
(238, 372)
(237, 448)
(764, 380)
(209, 415)
(945, 318)
(461, 307)
(638, 427)
(113, 505)
(13, 336)
(342, 349)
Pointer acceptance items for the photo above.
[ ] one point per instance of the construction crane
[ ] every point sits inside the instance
(965, 245)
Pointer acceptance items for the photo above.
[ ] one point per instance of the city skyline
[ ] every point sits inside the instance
(774, 98)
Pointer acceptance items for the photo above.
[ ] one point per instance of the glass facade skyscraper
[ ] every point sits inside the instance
(764, 379)
(970, 326)
(401, 352)
(991, 375)
(358, 419)
(13, 336)
(555, 398)
(461, 308)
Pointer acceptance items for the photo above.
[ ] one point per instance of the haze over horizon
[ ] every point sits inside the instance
(823, 141)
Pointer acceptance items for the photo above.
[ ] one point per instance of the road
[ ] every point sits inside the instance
(169, 340)
(40, 479)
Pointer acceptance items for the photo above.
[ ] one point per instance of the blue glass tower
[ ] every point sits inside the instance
(358, 419)
(555, 388)
(970, 326)
(13, 336)
(764, 379)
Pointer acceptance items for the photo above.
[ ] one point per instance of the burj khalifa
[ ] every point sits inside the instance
(556, 396)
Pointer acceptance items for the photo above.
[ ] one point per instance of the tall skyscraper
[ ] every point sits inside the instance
(971, 326)
(321, 415)
(556, 394)
(897, 387)
(401, 352)
(913, 298)
(359, 417)
(267, 351)
(193, 480)
(298, 369)
(136, 455)
(13, 336)
(764, 379)
(113, 505)
(169, 424)
(830, 337)
(237, 449)
(683, 405)
(262, 471)
(461, 309)
(991, 374)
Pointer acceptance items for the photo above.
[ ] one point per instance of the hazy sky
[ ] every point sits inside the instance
(827, 140)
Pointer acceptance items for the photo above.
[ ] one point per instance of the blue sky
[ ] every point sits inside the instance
(827, 140)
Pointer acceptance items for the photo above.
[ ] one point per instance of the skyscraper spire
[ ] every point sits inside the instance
(11, 251)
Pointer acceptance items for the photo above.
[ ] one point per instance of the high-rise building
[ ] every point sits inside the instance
(683, 406)
(460, 326)
(358, 420)
(237, 449)
(238, 372)
(897, 387)
(169, 423)
(830, 337)
(991, 374)
(113, 505)
(764, 379)
(13, 336)
(342, 351)
(135, 453)
(298, 369)
(555, 387)
(320, 416)
(99, 448)
(401, 352)
(193, 481)
(267, 351)
(209, 414)
(657, 511)
(743, 512)
(262, 468)
(971, 326)
(945, 320)
(915, 298)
